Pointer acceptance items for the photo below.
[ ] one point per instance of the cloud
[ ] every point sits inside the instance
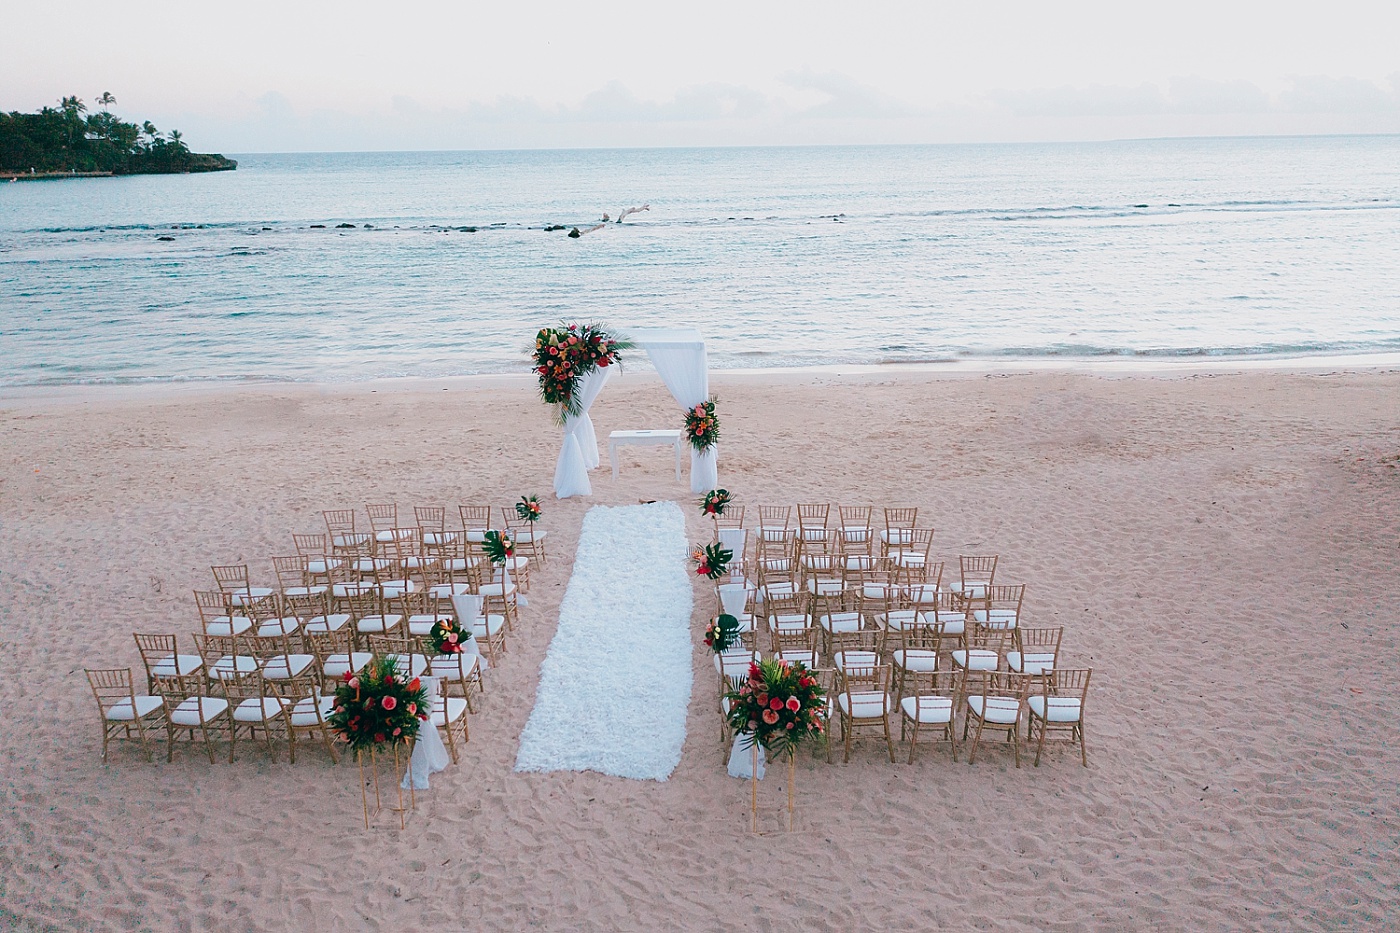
(1096, 100)
(1192, 94)
(847, 98)
(1320, 94)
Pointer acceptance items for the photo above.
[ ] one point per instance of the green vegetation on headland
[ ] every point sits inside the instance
(65, 141)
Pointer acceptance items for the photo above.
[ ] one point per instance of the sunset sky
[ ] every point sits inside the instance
(438, 75)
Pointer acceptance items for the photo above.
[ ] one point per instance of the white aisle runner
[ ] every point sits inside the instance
(615, 685)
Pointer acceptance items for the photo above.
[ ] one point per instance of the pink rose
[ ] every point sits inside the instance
(412, 709)
(353, 682)
(789, 725)
(388, 703)
(770, 717)
(794, 704)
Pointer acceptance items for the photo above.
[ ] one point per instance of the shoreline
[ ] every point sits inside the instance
(19, 397)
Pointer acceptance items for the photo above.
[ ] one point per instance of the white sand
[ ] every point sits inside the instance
(1220, 548)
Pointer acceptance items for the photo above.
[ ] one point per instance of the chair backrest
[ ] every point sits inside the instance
(859, 677)
(787, 607)
(774, 516)
(812, 515)
(939, 683)
(854, 517)
(734, 539)
(382, 516)
(917, 541)
(475, 517)
(292, 570)
(1039, 640)
(997, 684)
(311, 546)
(231, 578)
(1066, 683)
(903, 518)
(467, 608)
(979, 569)
(1000, 605)
(430, 518)
(212, 605)
(733, 517)
(112, 687)
(396, 642)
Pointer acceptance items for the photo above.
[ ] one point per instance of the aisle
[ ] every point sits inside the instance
(615, 684)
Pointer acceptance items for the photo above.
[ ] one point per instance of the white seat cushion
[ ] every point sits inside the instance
(864, 705)
(145, 705)
(1062, 709)
(530, 535)
(228, 625)
(937, 710)
(976, 659)
(841, 622)
(996, 618)
(276, 628)
(821, 586)
(856, 660)
(807, 659)
(855, 533)
(735, 663)
(952, 623)
(229, 663)
(370, 564)
(259, 709)
(778, 589)
(1000, 710)
(897, 535)
(449, 590)
(331, 623)
(338, 665)
(486, 626)
(312, 711)
(348, 540)
(900, 619)
(922, 593)
(393, 589)
(305, 590)
(196, 711)
(322, 566)
(423, 624)
(449, 667)
(875, 591)
(249, 594)
(496, 590)
(283, 666)
(915, 659)
(409, 665)
(476, 535)
(788, 623)
(446, 710)
(177, 665)
(378, 623)
(1030, 662)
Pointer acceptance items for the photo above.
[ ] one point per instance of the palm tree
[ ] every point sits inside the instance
(106, 100)
(175, 136)
(150, 130)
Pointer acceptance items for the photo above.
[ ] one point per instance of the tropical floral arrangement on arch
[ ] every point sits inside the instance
(446, 636)
(715, 502)
(565, 354)
(722, 633)
(378, 706)
(528, 508)
(712, 560)
(498, 546)
(702, 426)
(779, 707)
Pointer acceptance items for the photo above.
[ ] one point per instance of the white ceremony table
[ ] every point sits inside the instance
(643, 438)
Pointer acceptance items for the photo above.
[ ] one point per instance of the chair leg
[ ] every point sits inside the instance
(976, 739)
(1083, 748)
(889, 744)
(913, 737)
(1040, 746)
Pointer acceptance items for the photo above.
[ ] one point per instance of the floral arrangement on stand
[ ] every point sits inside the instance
(498, 546)
(565, 354)
(712, 560)
(528, 508)
(447, 637)
(715, 502)
(378, 706)
(722, 633)
(702, 426)
(779, 707)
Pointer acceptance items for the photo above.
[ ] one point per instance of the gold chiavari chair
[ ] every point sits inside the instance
(1000, 605)
(345, 539)
(932, 703)
(383, 519)
(812, 533)
(335, 656)
(240, 594)
(863, 701)
(476, 521)
(854, 532)
(1058, 704)
(255, 707)
(201, 715)
(122, 709)
(898, 531)
(300, 594)
(994, 700)
(168, 672)
(911, 560)
(788, 622)
(1034, 650)
(975, 574)
(214, 617)
(529, 538)
(319, 560)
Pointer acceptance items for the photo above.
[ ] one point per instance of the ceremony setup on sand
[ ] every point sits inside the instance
(823, 625)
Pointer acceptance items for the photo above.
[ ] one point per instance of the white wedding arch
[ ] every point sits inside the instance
(679, 357)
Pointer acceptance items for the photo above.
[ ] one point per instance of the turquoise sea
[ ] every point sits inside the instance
(781, 256)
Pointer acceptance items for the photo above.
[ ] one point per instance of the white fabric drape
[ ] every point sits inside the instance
(683, 366)
(429, 754)
(580, 451)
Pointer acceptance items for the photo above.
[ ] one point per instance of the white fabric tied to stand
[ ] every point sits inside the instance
(580, 451)
(429, 754)
(680, 361)
(733, 597)
(741, 759)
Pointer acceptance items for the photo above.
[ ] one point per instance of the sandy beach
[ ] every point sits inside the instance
(1220, 547)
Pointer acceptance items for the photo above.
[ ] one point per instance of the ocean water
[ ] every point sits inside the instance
(781, 256)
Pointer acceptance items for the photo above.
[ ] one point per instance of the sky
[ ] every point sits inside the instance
(304, 75)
